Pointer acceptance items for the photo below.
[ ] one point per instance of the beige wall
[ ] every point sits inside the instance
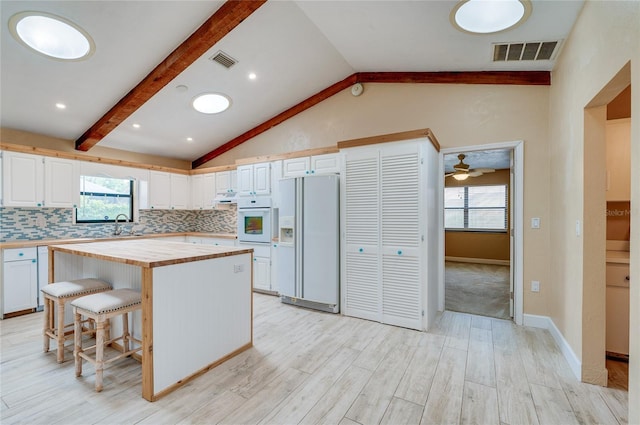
(604, 40)
(459, 115)
(17, 137)
(481, 245)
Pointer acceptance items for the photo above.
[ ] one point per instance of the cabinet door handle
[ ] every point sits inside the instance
(399, 252)
(627, 278)
(33, 261)
(360, 250)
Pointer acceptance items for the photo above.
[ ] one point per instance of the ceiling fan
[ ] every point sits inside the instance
(462, 170)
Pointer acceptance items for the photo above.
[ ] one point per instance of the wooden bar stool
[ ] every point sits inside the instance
(101, 307)
(56, 295)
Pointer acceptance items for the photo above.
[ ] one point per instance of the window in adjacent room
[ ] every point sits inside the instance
(103, 198)
(475, 208)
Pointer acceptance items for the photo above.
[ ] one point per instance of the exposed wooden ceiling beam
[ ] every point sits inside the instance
(223, 21)
(484, 77)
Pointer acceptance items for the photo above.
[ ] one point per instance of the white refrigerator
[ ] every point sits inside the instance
(309, 231)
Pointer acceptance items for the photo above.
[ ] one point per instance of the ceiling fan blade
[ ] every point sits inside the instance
(448, 174)
(475, 173)
(484, 170)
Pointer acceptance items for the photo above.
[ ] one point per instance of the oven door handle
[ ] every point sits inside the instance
(249, 209)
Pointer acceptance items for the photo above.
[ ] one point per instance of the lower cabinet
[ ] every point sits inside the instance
(261, 266)
(20, 280)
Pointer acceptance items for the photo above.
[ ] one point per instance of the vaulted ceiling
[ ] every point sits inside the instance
(153, 57)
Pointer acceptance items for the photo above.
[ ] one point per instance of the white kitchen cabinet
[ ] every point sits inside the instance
(203, 191)
(618, 151)
(43, 272)
(296, 167)
(384, 255)
(22, 180)
(208, 190)
(20, 280)
(617, 310)
(261, 265)
(61, 183)
(276, 176)
(168, 191)
(180, 191)
(325, 164)
(197, 192)
(254, 179)
(227, 181)
(311, 165)
(159, 190)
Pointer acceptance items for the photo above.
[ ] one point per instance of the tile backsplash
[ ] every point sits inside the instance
(57, 223)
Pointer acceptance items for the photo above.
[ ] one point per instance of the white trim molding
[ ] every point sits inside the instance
(545, 322)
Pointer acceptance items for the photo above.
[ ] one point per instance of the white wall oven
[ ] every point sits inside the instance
(254, 220)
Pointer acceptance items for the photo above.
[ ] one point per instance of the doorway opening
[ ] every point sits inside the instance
(482, 200)
(606, 243)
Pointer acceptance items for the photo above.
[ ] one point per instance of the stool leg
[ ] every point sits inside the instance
(60, 330)
(125, 331)
(47, 325)
(99, 354)
(77, 342)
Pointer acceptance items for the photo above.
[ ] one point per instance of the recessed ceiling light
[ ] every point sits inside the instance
(211, 103)
(51, 35)
(189, 139)
(252, 76)
(182, 88)
(136, 125)
(61, 106)
(489, 16)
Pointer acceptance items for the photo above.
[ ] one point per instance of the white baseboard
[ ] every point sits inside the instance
(545, 322)
(478, 260)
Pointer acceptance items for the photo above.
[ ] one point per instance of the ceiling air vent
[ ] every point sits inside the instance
(223, 59)
(529, 51)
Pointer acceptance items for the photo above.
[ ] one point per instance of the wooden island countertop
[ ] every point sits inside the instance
(149, 253)
(197, 301)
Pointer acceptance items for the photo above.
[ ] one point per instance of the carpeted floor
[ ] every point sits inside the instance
(477, 289)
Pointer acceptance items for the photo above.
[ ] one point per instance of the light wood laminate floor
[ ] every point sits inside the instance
(309, 367)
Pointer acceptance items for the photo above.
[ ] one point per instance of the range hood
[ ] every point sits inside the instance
(226, 198)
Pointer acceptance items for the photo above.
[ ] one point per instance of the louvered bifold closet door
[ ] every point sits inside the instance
(362, 235)
(400, 237)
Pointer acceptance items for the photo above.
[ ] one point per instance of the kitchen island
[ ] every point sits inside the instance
(196, 301)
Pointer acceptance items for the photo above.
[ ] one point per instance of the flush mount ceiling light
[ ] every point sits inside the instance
(460, 175)
(489, 16)
(51, 35)
(211, 103)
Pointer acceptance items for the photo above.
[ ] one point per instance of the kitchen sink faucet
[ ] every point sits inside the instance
(118, 229)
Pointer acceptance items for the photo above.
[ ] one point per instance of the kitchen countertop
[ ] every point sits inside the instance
(148, 253)
(46, 242)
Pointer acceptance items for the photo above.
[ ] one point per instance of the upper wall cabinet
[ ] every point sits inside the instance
(37, 181)
(168, 190)
(203, 191)
(254, 179)
(22, 180)
(311, 165)
(61, 183)
(618, 139)
(227, 181)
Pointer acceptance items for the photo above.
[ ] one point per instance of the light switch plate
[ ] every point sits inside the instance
(535, 223)
(535, 286)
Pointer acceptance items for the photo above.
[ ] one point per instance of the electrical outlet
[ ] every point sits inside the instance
(535, 286)
(238, 268)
